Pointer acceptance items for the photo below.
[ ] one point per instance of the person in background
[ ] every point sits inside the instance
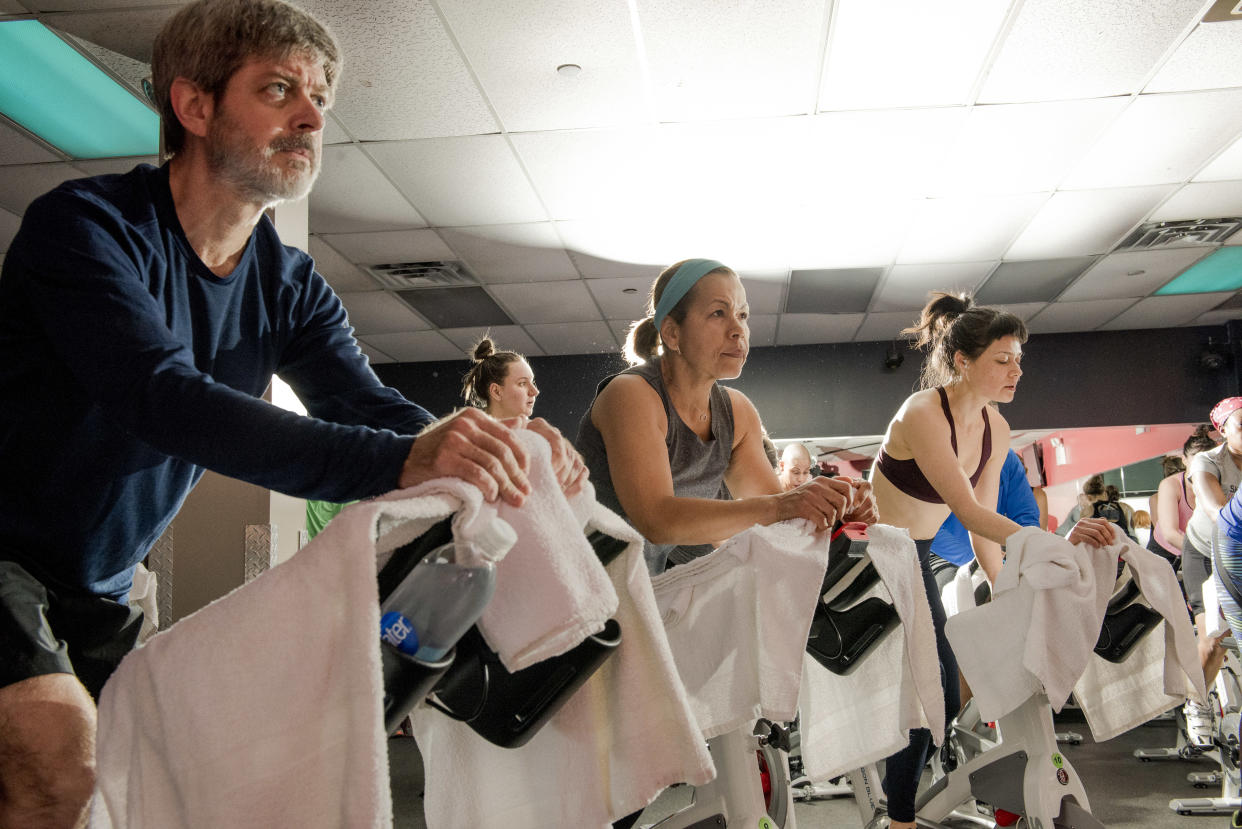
(1227, 577)
(1142, 526)
(1215, 475)
(500, 383)
(794, 469)
(1174, 500)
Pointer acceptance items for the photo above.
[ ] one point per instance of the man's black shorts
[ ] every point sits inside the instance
(43, 631)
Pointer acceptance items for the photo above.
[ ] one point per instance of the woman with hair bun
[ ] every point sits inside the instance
(943, 452)
(500, 383)
(680, 456)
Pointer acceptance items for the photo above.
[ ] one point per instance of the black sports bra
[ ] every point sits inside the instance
(909, 479)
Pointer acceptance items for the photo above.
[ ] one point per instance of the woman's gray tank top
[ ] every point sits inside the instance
(698, 466)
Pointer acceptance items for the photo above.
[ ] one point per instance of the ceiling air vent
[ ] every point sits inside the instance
(406, 276)
(1183, 234)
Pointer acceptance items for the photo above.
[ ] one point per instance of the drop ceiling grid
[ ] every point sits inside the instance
(18, 148)
(1117, 276)
(381, 247)
(499, 254)
(1085, 222)
(588, 337)
(1076, 316)
(415, 346)
(23, 183)
(354, 195)
(341, 274)
(1227, 165)
(1166, 311)
(506, 337)
(906, 287)
(379, 312)
(1207, 59)
(1202, 200)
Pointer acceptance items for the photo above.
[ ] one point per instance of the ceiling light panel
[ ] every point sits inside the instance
(885, 326)
(1060, 317)
(24, 183)
(541, 302)
(506, 337)
(379, 312)
(341, 274)
(127, 27)
(804, 329)
(416, 346)
(1022, 147)
(574, 338)
(18, 148)
(1166, 311)
(967, 229)
(514, 48)
(1084, 222)
(1063, 49)
(472, 180)
(1219, 271)
(1208, 59)
(761, 58)
(1132, 273)
(353, 196)
(875, 45)
(907, 287)
(1202, 200)
(425, 93)
(1227, 165)
(419, 245)
(1038, 281)
(1161, 138)
(512, 253)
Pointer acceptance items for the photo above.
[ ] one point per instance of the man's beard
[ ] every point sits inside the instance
(256, 174)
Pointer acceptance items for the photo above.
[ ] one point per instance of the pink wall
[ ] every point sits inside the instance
(1088, 451)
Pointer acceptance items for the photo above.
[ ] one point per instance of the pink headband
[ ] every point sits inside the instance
(1222, 410)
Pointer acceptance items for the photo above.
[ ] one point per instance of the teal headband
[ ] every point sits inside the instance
(690, 272)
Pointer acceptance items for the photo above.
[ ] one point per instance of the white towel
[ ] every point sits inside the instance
(143, 596)
(1161, 671)
(851, 721)
(623, 738)
(262, 709)
(1040, 629)
(737, 621)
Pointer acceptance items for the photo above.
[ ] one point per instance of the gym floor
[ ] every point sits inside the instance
(1125, 793)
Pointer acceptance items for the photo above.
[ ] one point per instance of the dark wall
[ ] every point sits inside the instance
(1071, 380)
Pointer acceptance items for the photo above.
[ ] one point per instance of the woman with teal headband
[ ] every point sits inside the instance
(676, 453)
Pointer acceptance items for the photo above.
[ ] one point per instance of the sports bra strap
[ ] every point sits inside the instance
(948, 415)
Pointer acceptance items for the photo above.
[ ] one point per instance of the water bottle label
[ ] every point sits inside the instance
(397, 631)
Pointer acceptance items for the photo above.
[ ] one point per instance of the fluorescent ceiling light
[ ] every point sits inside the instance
(55, 92)
(1222, 271)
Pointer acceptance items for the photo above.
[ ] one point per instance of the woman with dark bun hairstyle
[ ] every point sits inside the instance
(500, 383)
(677, 454)
(943, 452)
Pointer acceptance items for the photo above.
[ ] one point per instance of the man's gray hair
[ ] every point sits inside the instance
(207, 41)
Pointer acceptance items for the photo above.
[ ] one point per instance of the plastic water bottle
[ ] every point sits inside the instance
(438, 601)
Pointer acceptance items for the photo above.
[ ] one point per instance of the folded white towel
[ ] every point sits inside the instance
(551, 590)
(1161, 671)
(143, 596)
(262, 709)
(623, 738)
(850, 721)
(737, 621)
(1040, 629)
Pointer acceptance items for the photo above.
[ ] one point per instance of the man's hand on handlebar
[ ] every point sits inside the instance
(475, 447)
(570, 469)
(822, 501)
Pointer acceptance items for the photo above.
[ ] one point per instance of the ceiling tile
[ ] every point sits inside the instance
(379, 312)
(765, 292)
(1227, 165)
(420, 245)
(1166, 311)
(540, 302)
(472, 180)
(18, 148)
(11, 7)
(515, 48)
(1202, 200)
(9, 224)
(24, 183)
(1025, 310)
(353, 196)
(621, 329)
(107, 166)
(1219, 317)
(846, 231)
(614, 301)
(415, 346)
(907, 287)
(967, 229)
(587, 173)
(456, 307)
(804, 329)
(404, 78)
(374, 355)
(762, 329)
(761, 58)
(1160, 138)
(1132, 273)
(1038, 281)
(130, 32)
(333, 132)
(1208, 59)
(1084, 222)
(831, 291)
(506, 337)
(594, 267)
(512, 253)
(1020, 148)
(874, 45)
(1076, 316)
(341, 274)
(574, 337)
(885, 326)
(1061, 49)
